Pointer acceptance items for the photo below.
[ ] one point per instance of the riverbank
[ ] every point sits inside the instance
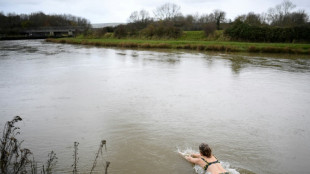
(189, 43)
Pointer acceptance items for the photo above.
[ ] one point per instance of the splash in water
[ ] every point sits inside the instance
(200, 170)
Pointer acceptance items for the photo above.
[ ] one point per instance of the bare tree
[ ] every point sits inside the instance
(134, 17)
(241, 18)
(286, 7)
(264, 18)
(219, 17)
(253, 19)
(196, 17)
(296, 18)
(207, 18)
(167, 11)
(142, 16)
(277, 14)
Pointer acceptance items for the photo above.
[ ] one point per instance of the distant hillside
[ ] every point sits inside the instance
(101, 25)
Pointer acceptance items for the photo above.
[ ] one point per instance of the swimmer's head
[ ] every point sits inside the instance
(205, 150)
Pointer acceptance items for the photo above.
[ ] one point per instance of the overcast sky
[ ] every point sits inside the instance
(110, 11)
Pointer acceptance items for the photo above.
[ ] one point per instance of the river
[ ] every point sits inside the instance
(253, 109)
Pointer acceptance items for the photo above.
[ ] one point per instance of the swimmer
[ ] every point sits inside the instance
(206, 160)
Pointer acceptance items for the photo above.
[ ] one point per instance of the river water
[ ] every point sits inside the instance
(253, 110)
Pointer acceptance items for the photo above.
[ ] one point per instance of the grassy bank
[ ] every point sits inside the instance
(193, 41)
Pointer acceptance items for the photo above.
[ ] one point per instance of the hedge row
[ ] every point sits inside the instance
(246, 32)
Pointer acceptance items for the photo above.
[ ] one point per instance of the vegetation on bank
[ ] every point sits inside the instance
(280, 30)
(16, 159)
(191, 40)
(14, 25)
(279, 24)
(246, 32)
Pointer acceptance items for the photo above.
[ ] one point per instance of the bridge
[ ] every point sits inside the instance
(45, 32)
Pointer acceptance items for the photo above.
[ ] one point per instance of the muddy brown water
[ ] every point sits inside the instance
(253, 109)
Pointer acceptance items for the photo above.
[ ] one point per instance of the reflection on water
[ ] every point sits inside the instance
(287, 63)
(238, 62)
(251, 108)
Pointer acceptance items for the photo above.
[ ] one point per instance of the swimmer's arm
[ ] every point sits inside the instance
(192, 160)
(196, 155)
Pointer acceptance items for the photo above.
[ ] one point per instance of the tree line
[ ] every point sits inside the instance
(168, 22)
(14, 24)
(280, 24)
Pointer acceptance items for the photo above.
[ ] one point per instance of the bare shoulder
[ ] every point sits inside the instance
(213, 158)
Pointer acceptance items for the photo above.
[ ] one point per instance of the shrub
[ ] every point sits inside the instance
(120, 31)
(253, 49)
(108, 35)
(162, 29)
(209, 28)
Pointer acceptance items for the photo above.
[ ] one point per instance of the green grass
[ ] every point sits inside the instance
(192, 35)
(194, 40)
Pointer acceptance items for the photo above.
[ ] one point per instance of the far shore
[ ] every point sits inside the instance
(190, 43)
(227, 46)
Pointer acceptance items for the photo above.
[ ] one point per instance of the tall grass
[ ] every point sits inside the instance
(75, 157)
(14, 159)
(50, 164)
(103, 143)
